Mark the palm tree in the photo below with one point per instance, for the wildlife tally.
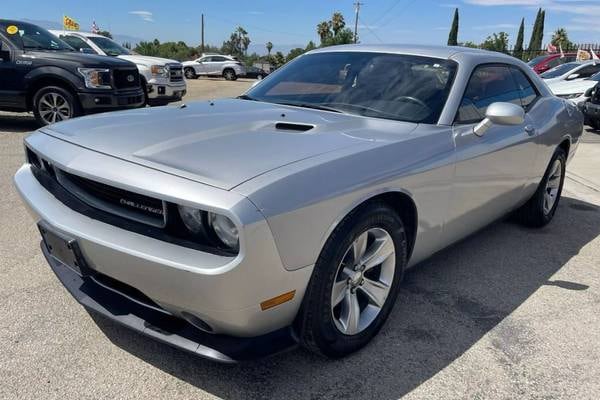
(324, 30)
(337, 22)
(269, 47)
(561, 37)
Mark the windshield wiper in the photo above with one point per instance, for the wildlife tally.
(313, 106)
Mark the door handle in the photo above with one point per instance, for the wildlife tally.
(530, 130)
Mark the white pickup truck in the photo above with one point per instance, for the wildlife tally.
(162, 79)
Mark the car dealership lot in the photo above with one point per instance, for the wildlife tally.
(508, 312)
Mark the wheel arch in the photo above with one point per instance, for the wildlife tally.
(45, 80)
(399, 200)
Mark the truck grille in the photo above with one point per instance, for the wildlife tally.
(117, 201)
(175, 72)
(126, 78)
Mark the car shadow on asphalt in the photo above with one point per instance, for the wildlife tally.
(447, 304)
(17, 123)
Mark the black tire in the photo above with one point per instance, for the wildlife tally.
(145, 90)
(40, 107)
(315, 323)
(190, 73)
(532, 213)
(229, 74)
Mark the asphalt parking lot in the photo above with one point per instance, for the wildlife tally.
(508, 313)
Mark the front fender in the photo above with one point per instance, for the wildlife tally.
(75, 82)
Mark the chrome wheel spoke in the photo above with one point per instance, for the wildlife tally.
(359, 247)
(350, 315)
(339, 291)
(376, 291)
(383, 249)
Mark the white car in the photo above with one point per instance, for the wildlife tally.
(228, 67)
(572, 71)
(575, 91)
(162, 79)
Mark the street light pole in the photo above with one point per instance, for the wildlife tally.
(357, 8)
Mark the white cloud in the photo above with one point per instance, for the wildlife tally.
(145, 15)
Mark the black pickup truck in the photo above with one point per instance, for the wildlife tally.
(41, 73)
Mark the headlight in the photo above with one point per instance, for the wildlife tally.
(211, 226)
(159, 70)
(96, 78)
(225, 229)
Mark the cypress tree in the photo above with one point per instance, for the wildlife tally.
(534, 31)
(540, 35)
(453, 36)
(518, 52)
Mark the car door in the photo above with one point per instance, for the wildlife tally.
(218, 65)
(12, 92)
(491, 171)
(201, 66)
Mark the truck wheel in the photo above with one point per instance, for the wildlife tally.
(229, 75)
(54, 104)
(190, 73)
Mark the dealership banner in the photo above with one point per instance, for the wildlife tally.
(70, 24)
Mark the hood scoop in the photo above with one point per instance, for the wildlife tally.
(290, 126)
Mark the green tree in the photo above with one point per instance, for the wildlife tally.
(535, 32)
(294, 53)
(518, 51)
(278, 59)
(337, 22)
(324, 30)
(238, 43)
(496, 42)
(453, 36)
(269, 47)
(105, 34)
(470, 44)
(561, 38)
(310, 46)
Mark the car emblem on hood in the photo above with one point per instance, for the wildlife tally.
(130, 78)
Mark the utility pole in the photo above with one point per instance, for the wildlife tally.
(357, 8)
(202, 42)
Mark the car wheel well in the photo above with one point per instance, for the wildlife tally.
(405, 207)
(565, 145)
(45, 82)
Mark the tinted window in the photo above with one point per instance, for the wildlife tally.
(559, 71)
(555, 62)
(205, 59)
(219, 59)
(536, 61)
(488, 84)
(31, 37)
(75, 42)
(528, 92)
(390, 86)
(588, 71)
(108, 46)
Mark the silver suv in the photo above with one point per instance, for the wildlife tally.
(214, 65)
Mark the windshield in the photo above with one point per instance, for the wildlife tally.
(559, 71)
(595, 77)
(31, 37)
(390, 86)
(108, 46)
(536, 61)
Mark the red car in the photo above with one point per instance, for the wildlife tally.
(543, 63)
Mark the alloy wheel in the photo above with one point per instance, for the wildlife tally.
(53, 107)
(552, 186)
(363, 281)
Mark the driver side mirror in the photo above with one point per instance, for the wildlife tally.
(572, 76)
(500, 114)
(4, 52)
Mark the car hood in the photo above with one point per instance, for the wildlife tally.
(223, 143)
(87, 60)
(146, 60)
(564, 87)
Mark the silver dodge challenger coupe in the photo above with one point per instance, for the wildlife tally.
(237, 228)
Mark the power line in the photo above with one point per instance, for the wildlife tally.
(366, 25)
(400, 13)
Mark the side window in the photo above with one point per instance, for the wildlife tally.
(488, 84)
(555, 62)
(588, 71)
(4, 51)
(75, 42)
(205, 59)
(219, 59)
(528, 91)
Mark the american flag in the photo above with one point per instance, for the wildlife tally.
(95, 28)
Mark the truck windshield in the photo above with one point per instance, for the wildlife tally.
(31, 37)
(109, 47)
(559, 71)
(388, 86)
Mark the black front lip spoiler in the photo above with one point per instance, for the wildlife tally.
(168, 329)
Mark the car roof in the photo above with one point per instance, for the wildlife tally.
(443, 52)
(86, 34)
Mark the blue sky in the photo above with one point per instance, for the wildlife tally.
(289, 23)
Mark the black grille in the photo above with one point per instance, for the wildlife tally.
(127, 204)
(175, 73)
(126, 78)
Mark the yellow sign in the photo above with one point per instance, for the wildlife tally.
(12, 29)
(70, 24)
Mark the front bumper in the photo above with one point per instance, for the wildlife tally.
(166, 91)
(111, 100)
(223, 291)
(165, 328)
